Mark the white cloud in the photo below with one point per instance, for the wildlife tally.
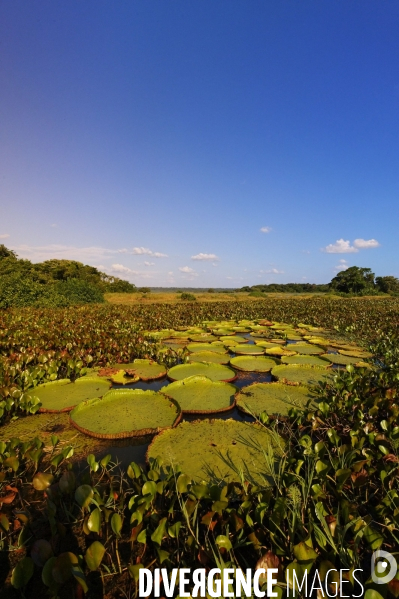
(63, 252)
(140, 251)
(343, 265)
(122, 269)
(149, 263)
(344, 247)
(364, 244)
(340, 247)
(214, 264)
(273, 271)
(4, 236)
(186, 269)
(265, 229)
(202, 256)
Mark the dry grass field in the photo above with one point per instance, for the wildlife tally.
(173, 297)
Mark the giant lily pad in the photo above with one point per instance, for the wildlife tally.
(253, 363)
(200, 395)
(247, 350)
(298, 359)
(63, 395)
(217, 449)
(123, 413)
(205, 338)
(273, 398)
(356, 353)
(279, 351)
(194, 347)
(147, 370)
(209, 356)
(236, 339)
(339, 359)
(215, 372)
(303, 375)
(306, 349)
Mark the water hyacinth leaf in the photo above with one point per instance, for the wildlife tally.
(105, 460)
(253, 363)
(149, 488)
(174, 529)
(134, 571)
(47, 574)
(159, 532)
(63, 395)
(84, 495)
(223, 542)
(41, 552)
(124, 413)
(182, 483)
(373, 537)
(91, 460)
(116, 524)
(94, 520)
(304, 374)
(220, 449)
(215, 372)
(41, 481)
(67, 482)
(22, 573)
(274, 398)
(63, 566)
(198, 394)
(134, 470)
(11, 462)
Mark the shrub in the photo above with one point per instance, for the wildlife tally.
(188, 296)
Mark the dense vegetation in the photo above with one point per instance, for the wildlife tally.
(53, 283)
(331, 498)
(353, 280)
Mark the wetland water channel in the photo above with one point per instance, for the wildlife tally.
(135, 449)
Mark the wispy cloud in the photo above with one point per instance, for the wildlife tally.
(4, 236)
(342, 246)
(140, 251)
(265, 229)
(343, 265)
(123, 269)
(149, 263)
(272, 271)
(67, 252)
(201, 256)
(366, 244)
(186, 269)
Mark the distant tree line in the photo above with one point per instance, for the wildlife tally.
(352, 281)
(53, 282)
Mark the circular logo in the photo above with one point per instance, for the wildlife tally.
(383, 567)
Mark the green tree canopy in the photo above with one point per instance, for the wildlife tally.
(353, 280)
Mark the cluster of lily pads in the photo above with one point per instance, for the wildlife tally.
(214, 355)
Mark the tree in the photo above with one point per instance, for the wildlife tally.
(6, 253)
(387, 284)
(353, 280)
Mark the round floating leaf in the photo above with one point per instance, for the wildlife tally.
(279, 351)
(235, 338)
(124, 413)
(147, 370)
(306, 349)
(94, 555)
(209, 356)
(22, 573)
(217, 449)
(253, 363)
(356, 353)
(319, 341)
(299, 359)
(304, 375)
(339, 359)
(223, 332)
(122, 378)
(215, 372)
(63, 395)
(267, 344)
(41, 481)
(41, 552)
(198, 394)
(273, 398)
(195, 347)
(248, 350)
(202, 338)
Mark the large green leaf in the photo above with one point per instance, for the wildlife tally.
(63, 395)
(94, 555)
(146, 370)
(199, 394)
(125, 413)
(215, 372)
(299, 359)
(304, 375)
(247, 350)
(253, 363)
(22, 573)
(217, 449)
(273, 398)
(209, 356)
(195, 347)
(340, 359)
(306, 349)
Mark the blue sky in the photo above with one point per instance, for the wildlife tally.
(201, 143)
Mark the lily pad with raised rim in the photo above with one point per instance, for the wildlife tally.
(236, 338)
(273, 398)
(247, 350)
(147, 370)
(213, 450)
(306, 349)
(194, 347)
(200, 395)
(209, 356)
(215, 372)
(253, 363)
(63, 395)
(358, 353)
(303, 375)
(300, 359)
(339, 359)
(124, 413)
